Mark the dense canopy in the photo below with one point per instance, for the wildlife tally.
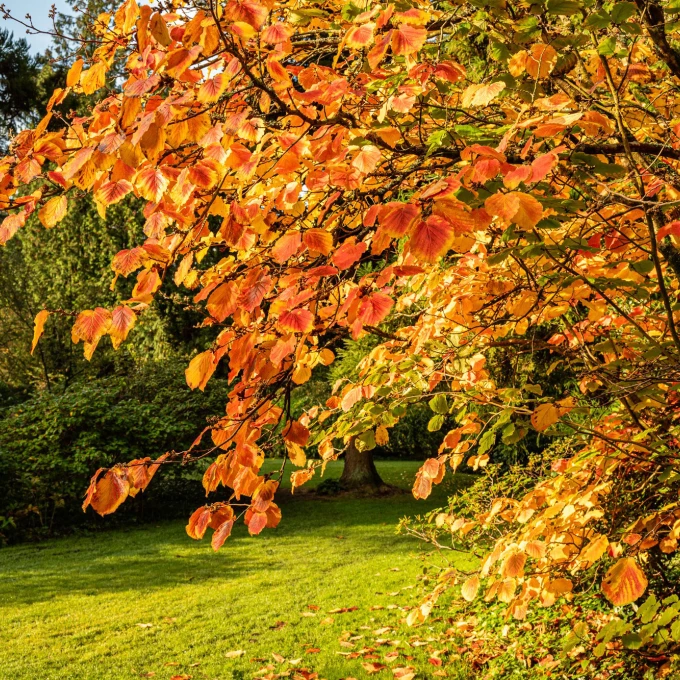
(457, 179)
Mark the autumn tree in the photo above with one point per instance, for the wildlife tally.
(509, 171)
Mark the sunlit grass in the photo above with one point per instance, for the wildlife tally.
(127, 603)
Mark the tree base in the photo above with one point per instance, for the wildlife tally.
(360, 474)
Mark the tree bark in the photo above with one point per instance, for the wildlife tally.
(359, 471)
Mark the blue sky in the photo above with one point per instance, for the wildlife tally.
(39, 10)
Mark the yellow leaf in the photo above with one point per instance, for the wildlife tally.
(200, 368)
(301, 374)
(40, 319)
(382, 437)
(544, 416)
(594, 550)
(470, 588)
(73, 75)
(296, 454)
(53, 211)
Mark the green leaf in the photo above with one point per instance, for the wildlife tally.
(435, 423)
(667, 615)
(565, 8)
(439, 404)
(622, 11)
(607, 47)
(648, 610)
(366, 441)
(486, 442)
(350, 11)
(631, 641)
(675, 630)
(597, 20)
(643, 267)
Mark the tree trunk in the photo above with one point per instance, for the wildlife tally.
(359, 471)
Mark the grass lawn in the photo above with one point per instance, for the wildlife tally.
(151, 602)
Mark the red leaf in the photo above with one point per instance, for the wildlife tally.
(297, 320)
(374, 308)
(348, 253)
(431, 238)
(396, 218)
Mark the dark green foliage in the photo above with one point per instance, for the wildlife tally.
(18, 85)
(51, 444)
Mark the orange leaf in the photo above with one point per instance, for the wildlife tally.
(73, 75)
(127, 261)
(200, 368)
(123, 320)
(396, 218)
(39, 325)
(544, 416)
(318, 241)
(53, 211)
(347, 254)
(286, 246)
(408, 39)
(470, 588)
(296, 432)
(367, 159)
(110, 491)
(360, 36)
(198, 523)
(223, 301)
(624, 583)
(90, 325)
(374, 308)
(221, 534)
(540, 60)
(297, 320)
(151, 183)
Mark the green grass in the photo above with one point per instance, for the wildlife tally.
(71, 608)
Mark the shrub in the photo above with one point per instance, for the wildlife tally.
(51, 444)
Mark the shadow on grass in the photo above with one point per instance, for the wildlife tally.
(138, 561)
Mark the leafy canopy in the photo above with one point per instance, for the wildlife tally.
(509, 172)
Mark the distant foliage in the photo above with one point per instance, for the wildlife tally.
(50, 443)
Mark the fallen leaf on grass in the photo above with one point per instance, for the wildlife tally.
(144, 625)
(278, 658)
(312, 650)
(150, 674)
(404, 673)
(371, 668)
(327, 621)
(181, 677)
(343, 610)
(171, 663)
(315, 607)
(278, 625)
(308, 614)
(235, 654)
